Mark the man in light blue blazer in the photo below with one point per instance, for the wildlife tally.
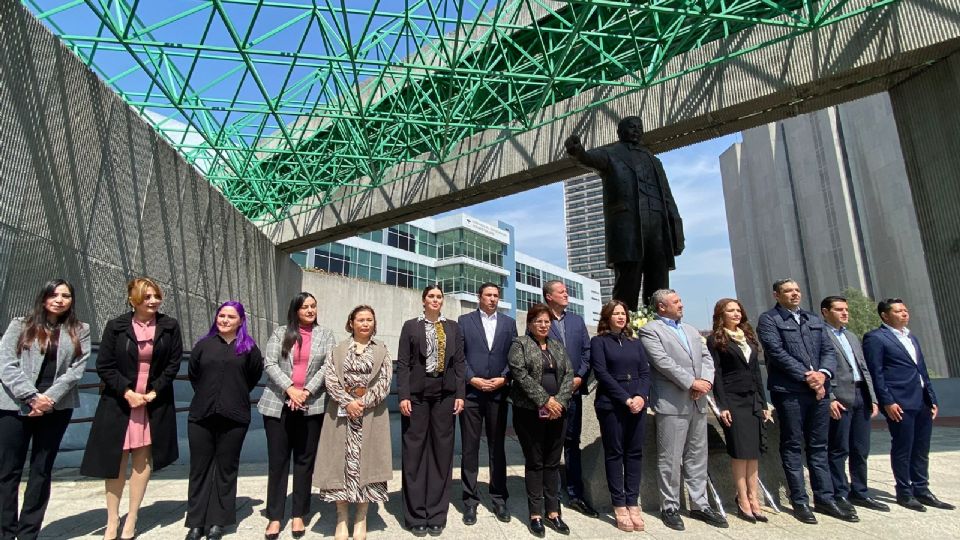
(569, 328)
(487, 335)
(909, 403)
(682, 375)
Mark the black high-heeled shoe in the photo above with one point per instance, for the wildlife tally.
(746, 516)
(760, 517)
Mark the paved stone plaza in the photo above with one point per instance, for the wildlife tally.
(76, 507)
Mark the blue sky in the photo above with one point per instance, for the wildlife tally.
(704, 272)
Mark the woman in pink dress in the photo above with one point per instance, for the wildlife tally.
(135, 422)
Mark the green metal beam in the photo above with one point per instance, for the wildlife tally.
(281, 104)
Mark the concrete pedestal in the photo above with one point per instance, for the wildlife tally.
(595, 478)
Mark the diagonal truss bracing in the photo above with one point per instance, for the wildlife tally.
(282, 101)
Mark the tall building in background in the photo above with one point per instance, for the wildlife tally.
(583, 215)
(459, 252)
(823, 198)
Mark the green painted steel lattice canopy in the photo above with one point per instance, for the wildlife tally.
(282, 103)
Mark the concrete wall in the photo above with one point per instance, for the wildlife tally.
(90, 193)
(824, 198)
(927, 119)
(337, 295)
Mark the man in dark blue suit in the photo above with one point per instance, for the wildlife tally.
(487, 336)
(903, 388)
(570, 329)
(800, 363)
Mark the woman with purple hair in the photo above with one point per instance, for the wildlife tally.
(225, 365)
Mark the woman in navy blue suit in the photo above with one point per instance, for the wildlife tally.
(623, 373)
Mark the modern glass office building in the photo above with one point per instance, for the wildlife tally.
(459, 252)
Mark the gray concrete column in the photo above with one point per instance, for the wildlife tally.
(927, 112)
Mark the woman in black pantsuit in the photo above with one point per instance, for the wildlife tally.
(542, 383)
(623, 374)
(225, 365)
(430, 386)
(738, 387)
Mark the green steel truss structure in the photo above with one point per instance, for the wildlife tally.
(282, 103)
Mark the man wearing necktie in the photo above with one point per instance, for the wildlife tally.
(852, 404)
(642, 225)
(904, 391)
(801, 361)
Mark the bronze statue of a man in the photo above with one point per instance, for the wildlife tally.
(643, 228)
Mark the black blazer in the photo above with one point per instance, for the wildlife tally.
(733, 373)
(622, 371)
(117, 365)
(412, 359)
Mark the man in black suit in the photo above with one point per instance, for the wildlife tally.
(571, 330)
(852, 404)
(909, 403)
(800, 363)
(487, 336)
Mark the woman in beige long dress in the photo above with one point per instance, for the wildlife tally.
(355, 441)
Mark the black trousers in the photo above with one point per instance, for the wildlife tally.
(16, 434)
(542, 443)
(622, 436)
(427, 456)
(296, 434)
(652, 272)
(850, 438)
(573, 469)
(215, 444)
(477, 414)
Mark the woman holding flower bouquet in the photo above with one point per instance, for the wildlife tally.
(623, 375)
(292, 410)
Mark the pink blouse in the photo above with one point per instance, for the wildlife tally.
(301, 357)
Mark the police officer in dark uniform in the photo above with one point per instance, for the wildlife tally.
(643, 228)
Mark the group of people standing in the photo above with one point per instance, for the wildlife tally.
(327, 398)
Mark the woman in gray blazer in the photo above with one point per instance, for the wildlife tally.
(542, 384)
(42, 357)
(292, 410)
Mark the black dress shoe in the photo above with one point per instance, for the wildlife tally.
(195, 533)
(536, 527)
(419, 530)
(435, 530)
(671, 518)
(869, 503)
(843, 504)
(831, 509)
(470, 515)
(271, 536)
(930, 499)
(710, 516)
(297, 535)
(746, 516)
(215, 533)
(500, 510)
(760, 517)
(557, 524)
(581, 506)
(911, 504)
(803, 514)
